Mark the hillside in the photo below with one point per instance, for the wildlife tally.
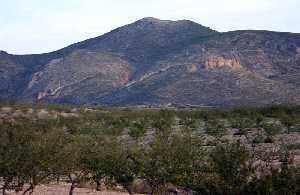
(158, 62)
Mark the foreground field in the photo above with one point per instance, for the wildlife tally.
(63, 190)
(245, 151)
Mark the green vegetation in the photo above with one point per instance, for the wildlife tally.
(160, 147)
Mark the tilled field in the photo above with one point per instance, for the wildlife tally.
(64, 190)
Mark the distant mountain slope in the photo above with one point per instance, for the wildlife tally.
(152, 61)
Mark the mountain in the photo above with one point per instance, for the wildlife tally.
(154, 62)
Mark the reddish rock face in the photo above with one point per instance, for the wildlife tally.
(298, 50)
(219, 62)
(124, 78)
(192, 68)
(41, 95)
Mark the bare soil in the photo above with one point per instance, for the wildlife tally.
(64, 190)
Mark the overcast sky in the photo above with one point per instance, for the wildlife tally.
(36, 26)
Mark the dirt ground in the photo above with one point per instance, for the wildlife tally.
(64, 190)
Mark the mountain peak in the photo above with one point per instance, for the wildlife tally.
(168, 24)
(3, 52)
(157, 20)
(149, 19)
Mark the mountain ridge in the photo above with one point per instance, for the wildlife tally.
(154, 62)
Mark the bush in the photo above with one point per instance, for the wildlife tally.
(215, 128)
(272, 128)
(137, 129)
(231, 165)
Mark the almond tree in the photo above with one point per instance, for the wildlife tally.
(44, 154)
(68, 161)
(15, 151)
(127, 165)
(97, 160)
(168, 159)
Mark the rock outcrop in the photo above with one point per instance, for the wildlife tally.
(220, 62)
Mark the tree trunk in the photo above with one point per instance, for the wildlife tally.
(73, 185)
(30, 189)
(128, 189)
(4, 190)
(5, 186)
(57, 179)
(152, 186)
(98, 185)
(72, 188)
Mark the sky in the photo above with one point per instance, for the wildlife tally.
(39, 26)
